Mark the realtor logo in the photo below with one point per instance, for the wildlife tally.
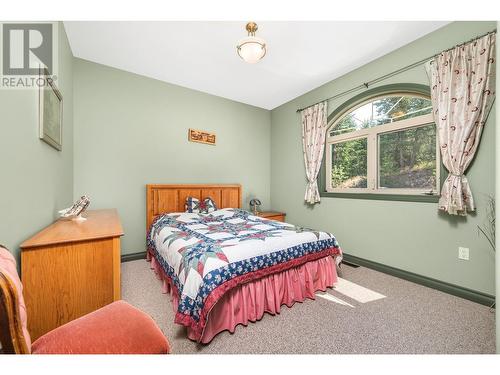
(26, 46)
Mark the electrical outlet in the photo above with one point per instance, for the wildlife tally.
(463, 253)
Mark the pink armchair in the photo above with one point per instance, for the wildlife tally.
(117, 328)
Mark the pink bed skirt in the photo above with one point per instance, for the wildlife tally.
(248, 302)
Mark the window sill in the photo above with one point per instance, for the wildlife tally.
(383, 197)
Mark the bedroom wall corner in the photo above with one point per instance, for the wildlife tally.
(36, 179)
(131, 130)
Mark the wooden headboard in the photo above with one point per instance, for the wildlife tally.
(163, 199)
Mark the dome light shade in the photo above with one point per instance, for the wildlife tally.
(251, 49)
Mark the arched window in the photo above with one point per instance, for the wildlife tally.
(384, 143)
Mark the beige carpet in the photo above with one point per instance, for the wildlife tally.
(375, 313)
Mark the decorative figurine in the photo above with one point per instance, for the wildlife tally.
(76, 210)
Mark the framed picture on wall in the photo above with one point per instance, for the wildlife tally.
(201, 136)
(50, 111)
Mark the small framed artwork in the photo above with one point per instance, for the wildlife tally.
(201, 137)
(50, 111)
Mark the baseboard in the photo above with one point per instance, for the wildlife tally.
(134, 256)
(472, 295)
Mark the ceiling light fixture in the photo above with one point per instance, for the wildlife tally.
(251, 49)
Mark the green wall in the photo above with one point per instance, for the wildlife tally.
(131, 130)
(36, 180)
(405, 235)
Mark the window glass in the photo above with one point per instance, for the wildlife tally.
(349, 164)
(382, 111)
(407, 158)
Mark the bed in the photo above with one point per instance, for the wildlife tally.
(229, 267)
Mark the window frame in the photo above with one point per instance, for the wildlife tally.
(373, 191)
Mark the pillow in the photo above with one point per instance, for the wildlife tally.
(210, 205)
(192, 204)
(204, 207)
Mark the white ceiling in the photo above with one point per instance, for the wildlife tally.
(202, 55)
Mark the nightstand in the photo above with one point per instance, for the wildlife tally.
(272, 215)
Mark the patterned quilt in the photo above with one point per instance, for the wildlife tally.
(204, 255)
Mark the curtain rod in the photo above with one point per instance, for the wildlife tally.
(365, 85)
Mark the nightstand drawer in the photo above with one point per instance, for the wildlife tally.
(273, 215)
(277, 217)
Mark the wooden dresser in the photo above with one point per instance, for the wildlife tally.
(273, 215)
(71, 268)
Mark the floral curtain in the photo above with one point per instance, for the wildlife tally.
(314, 121)
(462, 92)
